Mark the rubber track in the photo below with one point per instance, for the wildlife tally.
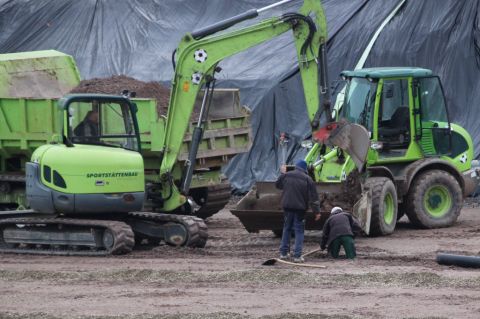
(196, 228)
(217, 197)
(123, 237)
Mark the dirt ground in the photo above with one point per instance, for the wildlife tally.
(393, 277)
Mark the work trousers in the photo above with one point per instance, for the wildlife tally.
(293, 221)
(347, 243)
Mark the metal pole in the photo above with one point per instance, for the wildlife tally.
(273, 5)
(204, 102)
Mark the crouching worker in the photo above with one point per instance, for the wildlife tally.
(339, 231)
(299, 192)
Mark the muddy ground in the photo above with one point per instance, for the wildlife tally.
(393, 277)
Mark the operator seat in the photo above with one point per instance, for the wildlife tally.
(398, 127)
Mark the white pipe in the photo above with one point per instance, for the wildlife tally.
(273, 5)
(369, 47)
(361, 62)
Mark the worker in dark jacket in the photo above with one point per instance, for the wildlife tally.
(339, 230)
(298, 193)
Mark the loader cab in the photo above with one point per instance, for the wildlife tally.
(100, 120)
(403, 109)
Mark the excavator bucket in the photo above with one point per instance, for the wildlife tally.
(261, 208)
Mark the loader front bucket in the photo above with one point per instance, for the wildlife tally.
(261, 208)
(354, 139)
(350, 137)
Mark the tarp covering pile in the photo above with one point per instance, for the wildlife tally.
(136, 38)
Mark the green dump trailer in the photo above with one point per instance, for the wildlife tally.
(29, 119)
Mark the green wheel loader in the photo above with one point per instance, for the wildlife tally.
(393, 151)
(87, 187)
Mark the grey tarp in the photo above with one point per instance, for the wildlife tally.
(136, 38)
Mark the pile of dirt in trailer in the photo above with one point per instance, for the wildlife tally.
(117, 83)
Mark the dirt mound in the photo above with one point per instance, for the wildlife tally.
(117, 83)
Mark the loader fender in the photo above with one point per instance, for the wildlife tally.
(409, 173)
(380, 171)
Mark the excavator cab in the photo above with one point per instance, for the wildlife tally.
(98, 168)
(103, 121)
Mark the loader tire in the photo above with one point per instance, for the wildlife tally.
(384, 206)
(434, 200)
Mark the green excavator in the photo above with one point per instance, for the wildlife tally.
(87, 187)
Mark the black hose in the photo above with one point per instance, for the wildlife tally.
(458, 260)
(287, 17)
(173, 59)
(170, 183)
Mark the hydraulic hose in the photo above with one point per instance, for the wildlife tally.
(288, 17)
(173, 59)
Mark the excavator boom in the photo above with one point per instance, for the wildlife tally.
(197, 59)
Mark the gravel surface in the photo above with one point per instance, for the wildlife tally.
(393, 277)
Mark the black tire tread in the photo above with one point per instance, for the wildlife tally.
(415, 203)
(377, 184)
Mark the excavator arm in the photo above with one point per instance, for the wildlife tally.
(197, 59)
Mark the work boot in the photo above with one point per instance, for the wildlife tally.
(298, 260)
